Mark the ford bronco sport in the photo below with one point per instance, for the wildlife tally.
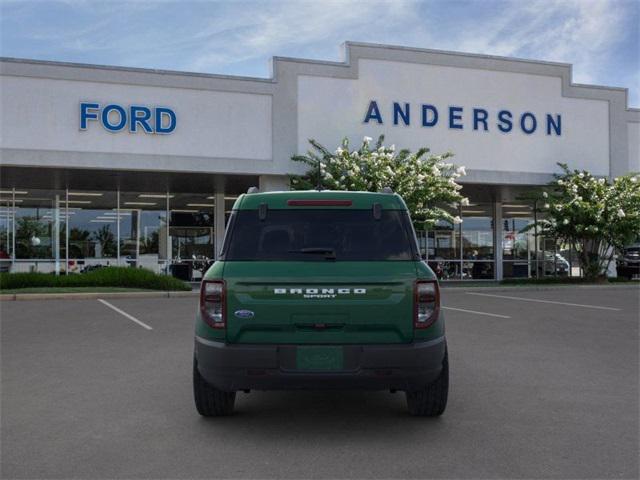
(320, 289)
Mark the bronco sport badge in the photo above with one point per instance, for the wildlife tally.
(320, 292)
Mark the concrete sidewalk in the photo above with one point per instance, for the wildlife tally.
(94, 295)
(196, 291)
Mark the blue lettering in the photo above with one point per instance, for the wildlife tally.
(139, 115)
(373, 112)
(86, 114)
(480, 116)
(105, 118)
(556, 125)
(455, 113)
(523, 123)
(505, 124)
(425, 115)
(399, 112)
(162, 112)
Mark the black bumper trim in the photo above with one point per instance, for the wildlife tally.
(232, 367)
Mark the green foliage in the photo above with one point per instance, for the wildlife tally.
(26, 229)
(595, 216)
(102, 277)
(425, 182)
(107, 240)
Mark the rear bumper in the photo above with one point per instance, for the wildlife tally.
(273, 367)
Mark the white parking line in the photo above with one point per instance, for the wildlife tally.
(523, 299)
(477, 313)
(125, 314)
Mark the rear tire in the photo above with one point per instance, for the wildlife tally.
(431, 401)
(211, 402)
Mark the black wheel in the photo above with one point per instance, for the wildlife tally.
(431, 401)
(211, 402)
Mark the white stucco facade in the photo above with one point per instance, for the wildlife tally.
(253, 126)
(328, 107)
(109, 165)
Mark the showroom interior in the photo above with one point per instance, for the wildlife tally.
(70, 221)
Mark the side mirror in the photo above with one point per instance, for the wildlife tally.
(423, 256)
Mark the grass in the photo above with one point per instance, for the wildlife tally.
(125, 278)
(72, 290)
(562, 281)
(523, 282)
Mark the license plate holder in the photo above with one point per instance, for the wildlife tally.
(320, 358)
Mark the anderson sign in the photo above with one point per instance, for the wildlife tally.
(460, 118)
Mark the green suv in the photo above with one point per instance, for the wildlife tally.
(315, 290)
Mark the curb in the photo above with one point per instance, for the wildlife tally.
(93, 295)
(194, 294)
(511, 288)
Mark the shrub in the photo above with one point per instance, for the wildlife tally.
(563, 281)
(593, 215)
(426, 182)
(126, 277)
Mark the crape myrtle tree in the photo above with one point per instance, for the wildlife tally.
(595, 216)
(426, 182)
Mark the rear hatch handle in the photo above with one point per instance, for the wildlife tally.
(319, 326)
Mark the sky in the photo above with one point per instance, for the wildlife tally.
(601, 38)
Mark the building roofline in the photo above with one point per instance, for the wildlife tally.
(55, 63)
(346, 62)
(454, 52)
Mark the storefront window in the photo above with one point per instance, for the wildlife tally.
(229, 201)
(6, 229)
(443, 244)
(72, 231)
(477, 242)
(518, 240)
(192, 234)
(144, 229)
(92, 230)
(39, 222)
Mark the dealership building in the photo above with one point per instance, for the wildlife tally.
(105, 165)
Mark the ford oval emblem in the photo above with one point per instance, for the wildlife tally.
(243, 313)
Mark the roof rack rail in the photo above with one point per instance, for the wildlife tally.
(387, 190)
(253, 190)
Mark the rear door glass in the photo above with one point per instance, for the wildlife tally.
(314, 235)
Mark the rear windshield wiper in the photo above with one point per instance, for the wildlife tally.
(329, 253)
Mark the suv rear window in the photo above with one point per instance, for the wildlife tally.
(312, 235)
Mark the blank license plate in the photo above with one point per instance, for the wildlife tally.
(319, 358)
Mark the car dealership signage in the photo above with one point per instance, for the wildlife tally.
(133, 118)
(463, 118)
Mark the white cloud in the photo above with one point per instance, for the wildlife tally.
(277, 26)
(581, 32)
(217, 37)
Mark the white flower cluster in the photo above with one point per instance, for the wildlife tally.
(592, 213)
(424, 181)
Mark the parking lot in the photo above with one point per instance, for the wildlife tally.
(544, 384)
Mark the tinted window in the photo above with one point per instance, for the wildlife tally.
(315, 235)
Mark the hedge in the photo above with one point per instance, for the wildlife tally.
(126, 277)
(563, 281)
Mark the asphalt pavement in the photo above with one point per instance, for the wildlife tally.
(544, 384)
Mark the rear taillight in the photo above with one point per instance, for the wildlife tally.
(212, 303)
(426, 303)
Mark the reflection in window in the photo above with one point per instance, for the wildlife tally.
(92, 229)
(143, 229)
(477, 232)
(518, 240)
(36, 214)
(6, 230)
